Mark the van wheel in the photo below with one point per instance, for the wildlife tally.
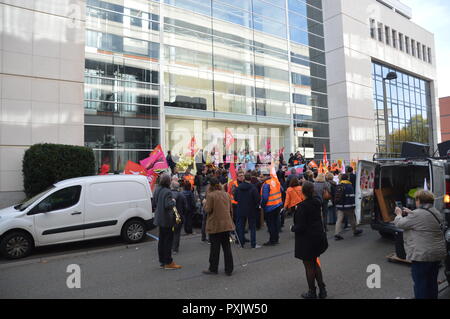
(133, 231)
(16, 245)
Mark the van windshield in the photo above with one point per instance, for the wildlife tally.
(33, 199)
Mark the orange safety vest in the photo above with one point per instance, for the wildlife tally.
(230, 191)
(190, 179)
(275, 192)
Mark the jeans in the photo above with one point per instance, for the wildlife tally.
(217, 240)
(332, 215)
(165, 245)
(273, 224)
(424, 275)
(240, 228)
(188, 222)
(204, 225)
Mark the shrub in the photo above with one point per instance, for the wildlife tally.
(46, 164)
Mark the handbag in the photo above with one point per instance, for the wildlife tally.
(326, 194)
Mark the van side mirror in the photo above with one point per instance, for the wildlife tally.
(42, 207)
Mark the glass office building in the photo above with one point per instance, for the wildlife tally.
(162, 72)
(408, 109)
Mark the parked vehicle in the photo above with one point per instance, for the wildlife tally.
(78, 209)
(383, 184)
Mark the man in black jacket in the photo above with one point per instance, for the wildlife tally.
(247, 209)
(181, 205)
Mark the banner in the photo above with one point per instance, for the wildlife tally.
(156, 160)
(134, 169)
(152, 176)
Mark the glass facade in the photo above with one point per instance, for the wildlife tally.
(262, 61)
(408, 108)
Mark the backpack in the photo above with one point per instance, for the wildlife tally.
(339, 195)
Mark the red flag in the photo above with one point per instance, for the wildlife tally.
(313, 164)
(233, 174)
(321, 168)
(104, 169)
(229, 139)
(325, 159)
(152, 176)
(134, 169)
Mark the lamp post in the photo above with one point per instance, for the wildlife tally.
(389, 77)
(304, 147)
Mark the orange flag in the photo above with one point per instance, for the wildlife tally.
(313, 164)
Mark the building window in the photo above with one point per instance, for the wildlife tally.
(419, 50)
(400, 41)
(424, 53)
(413, 47)
(429, 56)
(394, 39)
(372, 28)
(380, 32)
(387, 32)
(407, 45)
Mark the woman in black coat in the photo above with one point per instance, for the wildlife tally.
(310, 239)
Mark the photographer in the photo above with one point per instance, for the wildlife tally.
(424, 243)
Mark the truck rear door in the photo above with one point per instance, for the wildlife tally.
(364, 190)
(437, 173)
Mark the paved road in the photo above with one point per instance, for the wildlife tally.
(121, 271)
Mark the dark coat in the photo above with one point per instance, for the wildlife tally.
(164, 216)
(181, 203)
(310, 238)
(190, 201)
(248, 200)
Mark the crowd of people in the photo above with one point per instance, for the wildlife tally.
(232, 208)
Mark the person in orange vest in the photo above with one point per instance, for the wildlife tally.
(189, 177)
(231, 188)
(294, 196)
(271, 203)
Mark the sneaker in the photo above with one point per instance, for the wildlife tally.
(311, 294)
(172, 266)
(257, 246)
(209, 272)
(357, 232)
(338, 237)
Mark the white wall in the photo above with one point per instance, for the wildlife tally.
(349, 54)
(41, 81)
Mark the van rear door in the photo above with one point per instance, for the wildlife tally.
(437, 173)
(364, 190)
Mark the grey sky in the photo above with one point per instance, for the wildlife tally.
(434, 15)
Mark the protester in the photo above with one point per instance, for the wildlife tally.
(331, 206)
(271, 204)
(181, 206)
(189, 177)
(294, 196)
(164, 219)
(170, 162)
(424, 243)
(219, 224)
(345, 206)
(321, 187)
(310, 240)
(191, 207)
(247, 210)
(231, 187)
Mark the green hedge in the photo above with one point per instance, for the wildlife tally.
(46, 164)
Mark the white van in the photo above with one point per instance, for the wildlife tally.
(78, 209)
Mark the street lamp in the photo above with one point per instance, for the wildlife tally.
(304, 147)
(389, 77)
